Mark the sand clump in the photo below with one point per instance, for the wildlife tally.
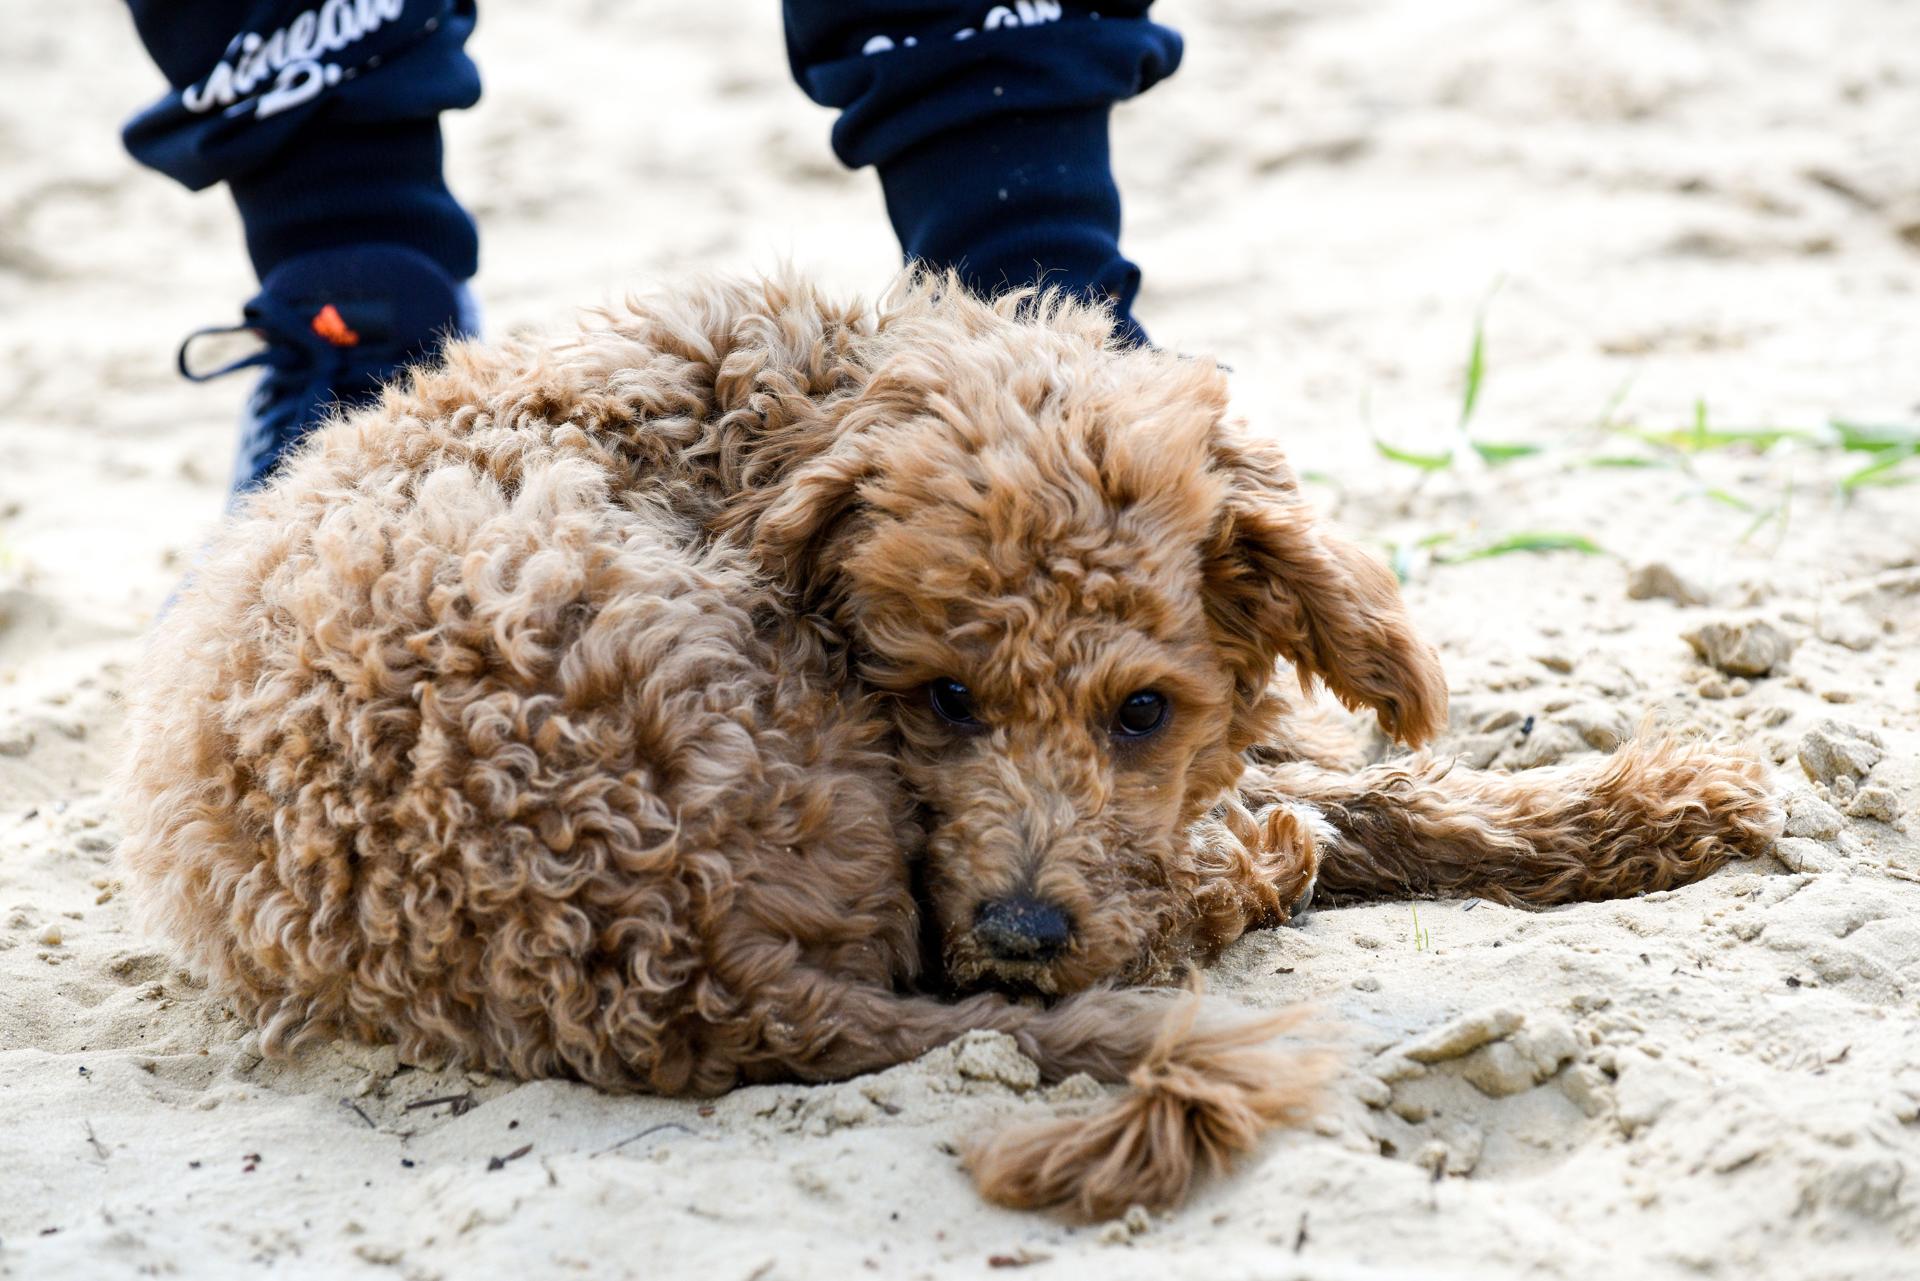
(1831, 751)
(1657, 580)
(1744, 647)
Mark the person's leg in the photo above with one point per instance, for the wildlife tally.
(322, 119)
(988, 125)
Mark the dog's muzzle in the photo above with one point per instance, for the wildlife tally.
(1022, 929)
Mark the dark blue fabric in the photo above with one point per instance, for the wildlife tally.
(336, 326)
(987, 122)
(988, 125)
(1020, 59)
(1019, 200)
(320, 115)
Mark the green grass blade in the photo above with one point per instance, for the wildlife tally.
(1699, 438)
(1626, 461)
(1477, 355)
(1757, 524)
(1726, 498)
(1476, 368)
(1870, 438)
(1537, 541)
(1425, 462)
(1619, 397)
(1883, 471)
(1496, 452)
(1780, 511)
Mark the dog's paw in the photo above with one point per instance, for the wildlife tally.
(1257, 868)
(1293, 835)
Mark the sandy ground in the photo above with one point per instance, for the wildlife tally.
(1655, 204)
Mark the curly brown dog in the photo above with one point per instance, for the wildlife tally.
(723, 692)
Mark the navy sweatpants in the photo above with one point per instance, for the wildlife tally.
(987, 122)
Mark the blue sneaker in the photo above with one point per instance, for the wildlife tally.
(338, 325)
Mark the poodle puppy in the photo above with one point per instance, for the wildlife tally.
(750, 687)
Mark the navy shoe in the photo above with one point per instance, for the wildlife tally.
(338, 325)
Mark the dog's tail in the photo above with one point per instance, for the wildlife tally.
(1659, 812)
(1203, 1089)
(1204, 1084)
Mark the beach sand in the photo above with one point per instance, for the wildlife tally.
(1659, 213)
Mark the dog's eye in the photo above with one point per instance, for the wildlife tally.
(1141, 713)
(953, 701)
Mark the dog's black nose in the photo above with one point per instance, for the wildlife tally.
(1022, 929)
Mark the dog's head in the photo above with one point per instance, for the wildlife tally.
(1072, 579)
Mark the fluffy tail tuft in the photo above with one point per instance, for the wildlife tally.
(1198, 1098)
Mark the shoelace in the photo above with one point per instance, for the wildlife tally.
(321, 347)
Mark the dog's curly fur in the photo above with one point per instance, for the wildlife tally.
(566, 712)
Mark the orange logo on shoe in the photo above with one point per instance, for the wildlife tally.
(331, 326)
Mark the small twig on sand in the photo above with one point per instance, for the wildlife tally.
(500, 1162)
(98, 1146)
(460, 1104)
(635, 1138)
(354, 1108)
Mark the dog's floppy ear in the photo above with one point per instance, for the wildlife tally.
(1278, 586)
(792, 533)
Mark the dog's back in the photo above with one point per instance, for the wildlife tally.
(466, 734)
